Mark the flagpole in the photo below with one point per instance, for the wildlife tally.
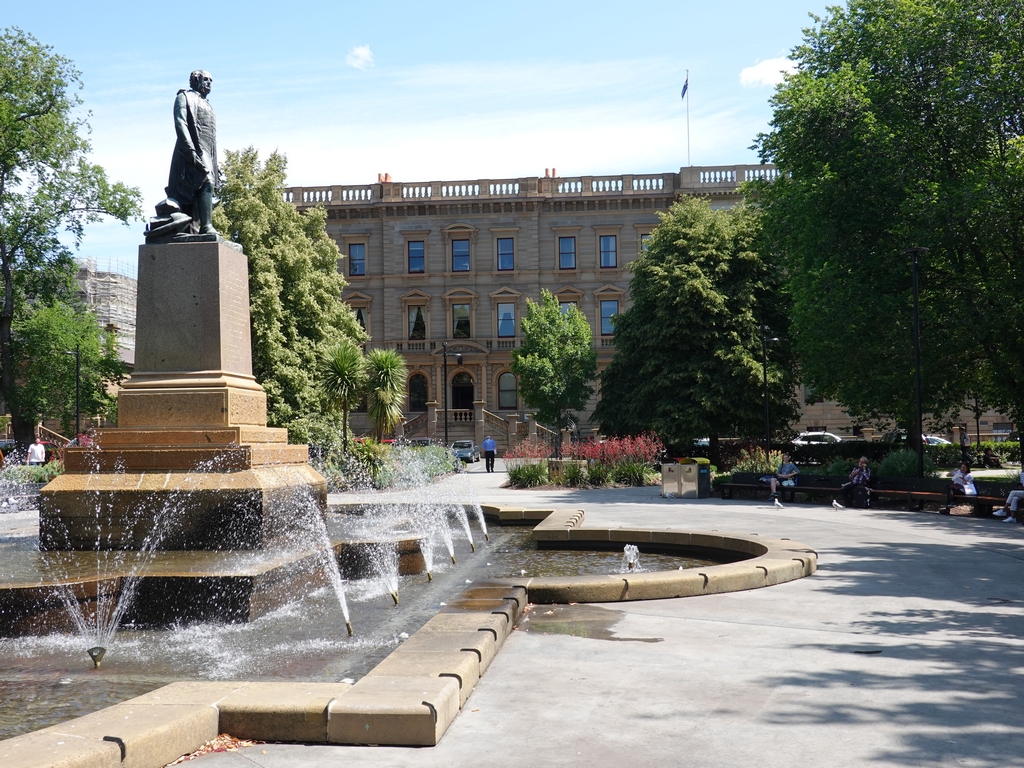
(688, 119)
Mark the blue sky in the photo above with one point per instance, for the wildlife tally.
(423, 91)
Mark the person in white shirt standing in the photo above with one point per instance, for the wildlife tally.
(37, 453)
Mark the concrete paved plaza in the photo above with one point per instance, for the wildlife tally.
(904, 649)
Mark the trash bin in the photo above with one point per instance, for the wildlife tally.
(694, 478)
(670, 474)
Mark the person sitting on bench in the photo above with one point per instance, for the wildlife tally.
(962, 484)
(1013, 499)
(861, 475)
(786, 475)
(990, 460)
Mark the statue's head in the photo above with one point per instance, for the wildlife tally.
(200, 81)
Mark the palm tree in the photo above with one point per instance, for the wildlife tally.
(344, 375)
(385, 390)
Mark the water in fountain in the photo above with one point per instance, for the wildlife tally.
(463, 518)
(427, 550)
(630, 559)
(299, 640)
(478, 511)
(384, 557)
(317, 528)
(117, 573)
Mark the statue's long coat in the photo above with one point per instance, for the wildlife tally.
(196, 127)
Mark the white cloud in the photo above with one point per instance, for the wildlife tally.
(360, 57)
(767, 72)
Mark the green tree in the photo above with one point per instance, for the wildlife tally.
(385, 390)
(902, 127)
(344, 375)
(294, 289)
(556, 362)
(43, 335)
(47, 185)
(688, 353)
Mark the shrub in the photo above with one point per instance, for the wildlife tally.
(903, 463)
(630, 473)
(597, 474)
(755, 460)
(944, 455)
(574, 475)
(527, 474)
(840, 467)
(23, 473)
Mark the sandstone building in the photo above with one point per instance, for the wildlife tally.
(453, 262)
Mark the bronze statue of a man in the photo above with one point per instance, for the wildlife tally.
(188, 209)
(194, 171)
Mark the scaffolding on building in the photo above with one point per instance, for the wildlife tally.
(111, 293)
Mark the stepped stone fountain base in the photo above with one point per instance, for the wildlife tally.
(192, 455)
(176, 588)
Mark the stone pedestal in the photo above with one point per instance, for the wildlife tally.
(192, 464)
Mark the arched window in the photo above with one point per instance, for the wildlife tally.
(507, 392)
(418, 393)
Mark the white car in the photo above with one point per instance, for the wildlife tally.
(817, 438)
(936, 440)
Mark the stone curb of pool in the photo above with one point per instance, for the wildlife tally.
(414, 694)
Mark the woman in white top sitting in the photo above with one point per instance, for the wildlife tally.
(1009, 510)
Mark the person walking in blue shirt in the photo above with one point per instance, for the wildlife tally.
(488, 445)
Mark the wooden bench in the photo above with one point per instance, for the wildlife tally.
(811, 485)
(913, 491)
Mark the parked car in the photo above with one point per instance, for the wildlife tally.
(466, 450)
(900, 438)
(816, 438)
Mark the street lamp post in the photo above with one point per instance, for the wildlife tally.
(444, 389)
(764, 367)
(915, 253)
(78, 389)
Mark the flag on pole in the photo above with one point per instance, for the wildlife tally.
(686, 87)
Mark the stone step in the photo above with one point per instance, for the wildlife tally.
(132, 437)
(150, 458)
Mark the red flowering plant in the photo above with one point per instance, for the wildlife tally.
(529, 449)
(613, 451)
(624, 460)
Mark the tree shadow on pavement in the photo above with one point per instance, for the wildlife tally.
(947, 670)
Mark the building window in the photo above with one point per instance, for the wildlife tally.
(644, 240)
(361, 317)
(417, 324)
(609, 308)
(357, 258)
(460, 321)
(567, 253)
(507, 392)
(460, 255)
(415, 256)
(565, 306)
(609, 255)
(506, 253)
(418, 393)
(507, 319)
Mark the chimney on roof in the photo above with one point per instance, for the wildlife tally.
(554, 173)
(380, 178)
(387, 178)
(547, 173)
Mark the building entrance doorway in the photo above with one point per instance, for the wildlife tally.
(462, 391)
